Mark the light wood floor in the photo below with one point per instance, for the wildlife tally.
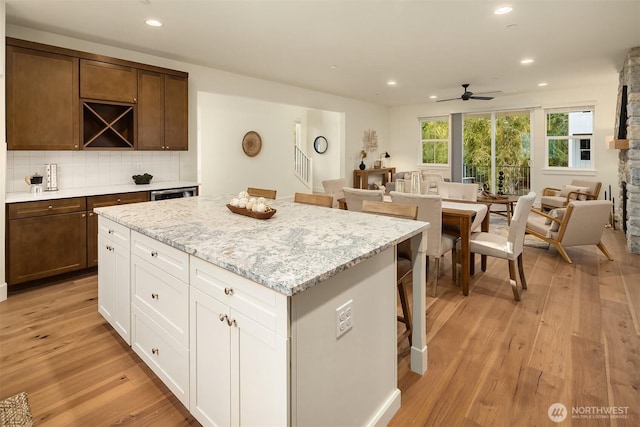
(573, 339)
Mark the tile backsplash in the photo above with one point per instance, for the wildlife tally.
(77, 169)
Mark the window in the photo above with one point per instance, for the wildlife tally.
(435, 140)
(496, 150)
(568, 135)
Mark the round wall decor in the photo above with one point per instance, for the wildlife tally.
(251, 143)
(320, 144)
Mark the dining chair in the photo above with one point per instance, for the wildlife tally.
(438, 243)
(313, 199)
(354, 197)
(458, 191)
(404, 265)
(261, 192)
(507, 247)
(333, 188)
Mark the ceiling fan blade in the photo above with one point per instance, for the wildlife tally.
(449, 99)
(482, 98)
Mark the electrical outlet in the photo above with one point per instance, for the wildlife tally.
(344, 318)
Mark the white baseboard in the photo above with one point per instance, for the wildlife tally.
(3, 291)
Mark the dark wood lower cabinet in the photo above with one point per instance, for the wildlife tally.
(51, 237)
(46, 246)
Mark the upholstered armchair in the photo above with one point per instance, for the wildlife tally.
(578, 190)
(580, 223)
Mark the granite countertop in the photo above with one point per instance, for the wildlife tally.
(26, 196)
(297, 248)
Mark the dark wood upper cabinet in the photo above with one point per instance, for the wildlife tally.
(151, 111)
(176, 117)
(41, 100)
(108, 82)
(62, 99)
(162, 111)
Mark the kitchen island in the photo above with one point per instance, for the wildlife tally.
(285, 321)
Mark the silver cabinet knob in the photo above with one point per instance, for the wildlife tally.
(154, 296)
(154, 254)
(228, 291)
(155, 351)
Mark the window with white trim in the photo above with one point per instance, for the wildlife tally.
(569, 137)
(434, 140)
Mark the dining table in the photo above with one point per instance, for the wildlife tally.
(461, 218)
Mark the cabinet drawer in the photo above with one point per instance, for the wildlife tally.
(116, 199)
(117, 233)
(263, 305)
(164, 355)
(162, 297)
(162, 256)
(46, 207)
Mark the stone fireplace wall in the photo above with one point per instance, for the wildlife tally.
(629, 166)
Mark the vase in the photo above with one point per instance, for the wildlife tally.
(362, 165)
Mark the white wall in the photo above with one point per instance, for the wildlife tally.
(405, 131)
(224, 120)
(327, 165)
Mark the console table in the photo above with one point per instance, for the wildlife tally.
(361, 177)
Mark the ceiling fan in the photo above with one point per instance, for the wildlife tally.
(467, 95)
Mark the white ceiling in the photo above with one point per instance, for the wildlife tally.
(428, 47)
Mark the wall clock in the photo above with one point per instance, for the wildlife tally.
(320, 144)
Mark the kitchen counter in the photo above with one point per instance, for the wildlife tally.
(26, 196)
(299, 247)
(263, 322)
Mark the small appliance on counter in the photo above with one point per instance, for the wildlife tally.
(35, 183)
(51, 173)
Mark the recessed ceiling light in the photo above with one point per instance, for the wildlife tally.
(392, 83)
(433, 97)
(333, 67)
(153, 23)
(526, 61)
(542, 84)
(503, 10)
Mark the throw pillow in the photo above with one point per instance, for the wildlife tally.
(559, 214)
(566, 189)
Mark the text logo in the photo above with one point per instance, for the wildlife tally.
(557, 412)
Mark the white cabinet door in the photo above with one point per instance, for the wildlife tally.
(106, 279)
(210, 377)
(239, 368)
(259, 382)
(114, 268)
(122, 276)
(114, 300)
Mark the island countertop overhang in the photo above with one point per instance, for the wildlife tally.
(299, 247)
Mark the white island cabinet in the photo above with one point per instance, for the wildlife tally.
(288, 321)
(114, 276)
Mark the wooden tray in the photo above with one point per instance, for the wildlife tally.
(252, 214)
